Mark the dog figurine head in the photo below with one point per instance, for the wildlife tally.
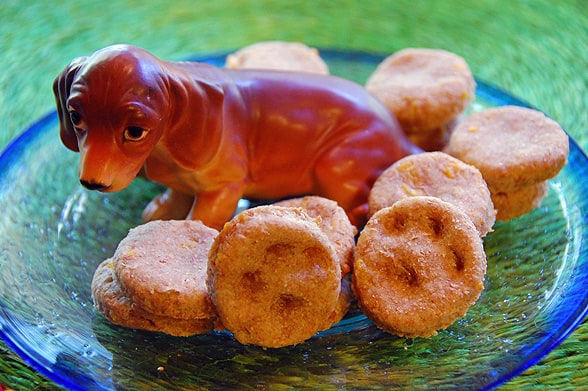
(112, 108)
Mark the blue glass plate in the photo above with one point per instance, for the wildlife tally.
(53, 234)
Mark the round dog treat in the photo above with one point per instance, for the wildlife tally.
(110, 301)
(419, 265)
(343, 305)
(519, 202)
(512, 146)
(432, 140)
(273, 276)
(334, 222)
(278, 55)
(424, 88)
(161, 266)
(439, 175)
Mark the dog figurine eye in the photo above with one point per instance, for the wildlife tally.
(134, 133)
(75, 117)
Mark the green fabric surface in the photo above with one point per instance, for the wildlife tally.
(536, 50)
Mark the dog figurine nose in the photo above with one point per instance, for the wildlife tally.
(92, 185)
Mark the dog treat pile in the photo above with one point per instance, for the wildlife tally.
(275, 275)
(156, 279)
(427, 90)
(517, 150)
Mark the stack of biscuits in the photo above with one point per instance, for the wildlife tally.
(419, 262)
(517, 150)
(427, 90)
(273, 276)
(156, 279)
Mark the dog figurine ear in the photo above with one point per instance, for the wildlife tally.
(61, 89)
(197, 102)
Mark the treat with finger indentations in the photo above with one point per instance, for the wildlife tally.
(273, 276)
(419, 266)
(162, 265)
(334, 222)
(436, 174)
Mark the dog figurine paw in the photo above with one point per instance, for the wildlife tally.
(215, 135)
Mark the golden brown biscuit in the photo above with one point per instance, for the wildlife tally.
(419, 265)
(519, 202)
(512, 146)
(334, 222)
(273, 276)
(292, 56)
(161, 266)
(342, 307)
(439, 175)
(424, 88)
(432, 140)
(110, 301)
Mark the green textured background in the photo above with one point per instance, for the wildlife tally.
(537, 50)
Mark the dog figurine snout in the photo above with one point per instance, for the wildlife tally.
(92, 185)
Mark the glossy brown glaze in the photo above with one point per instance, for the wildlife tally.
(214, 135)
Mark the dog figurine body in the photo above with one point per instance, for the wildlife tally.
(214, 135)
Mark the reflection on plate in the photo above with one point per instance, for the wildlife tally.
(53, 234)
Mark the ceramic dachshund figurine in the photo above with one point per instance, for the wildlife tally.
(214, 135)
